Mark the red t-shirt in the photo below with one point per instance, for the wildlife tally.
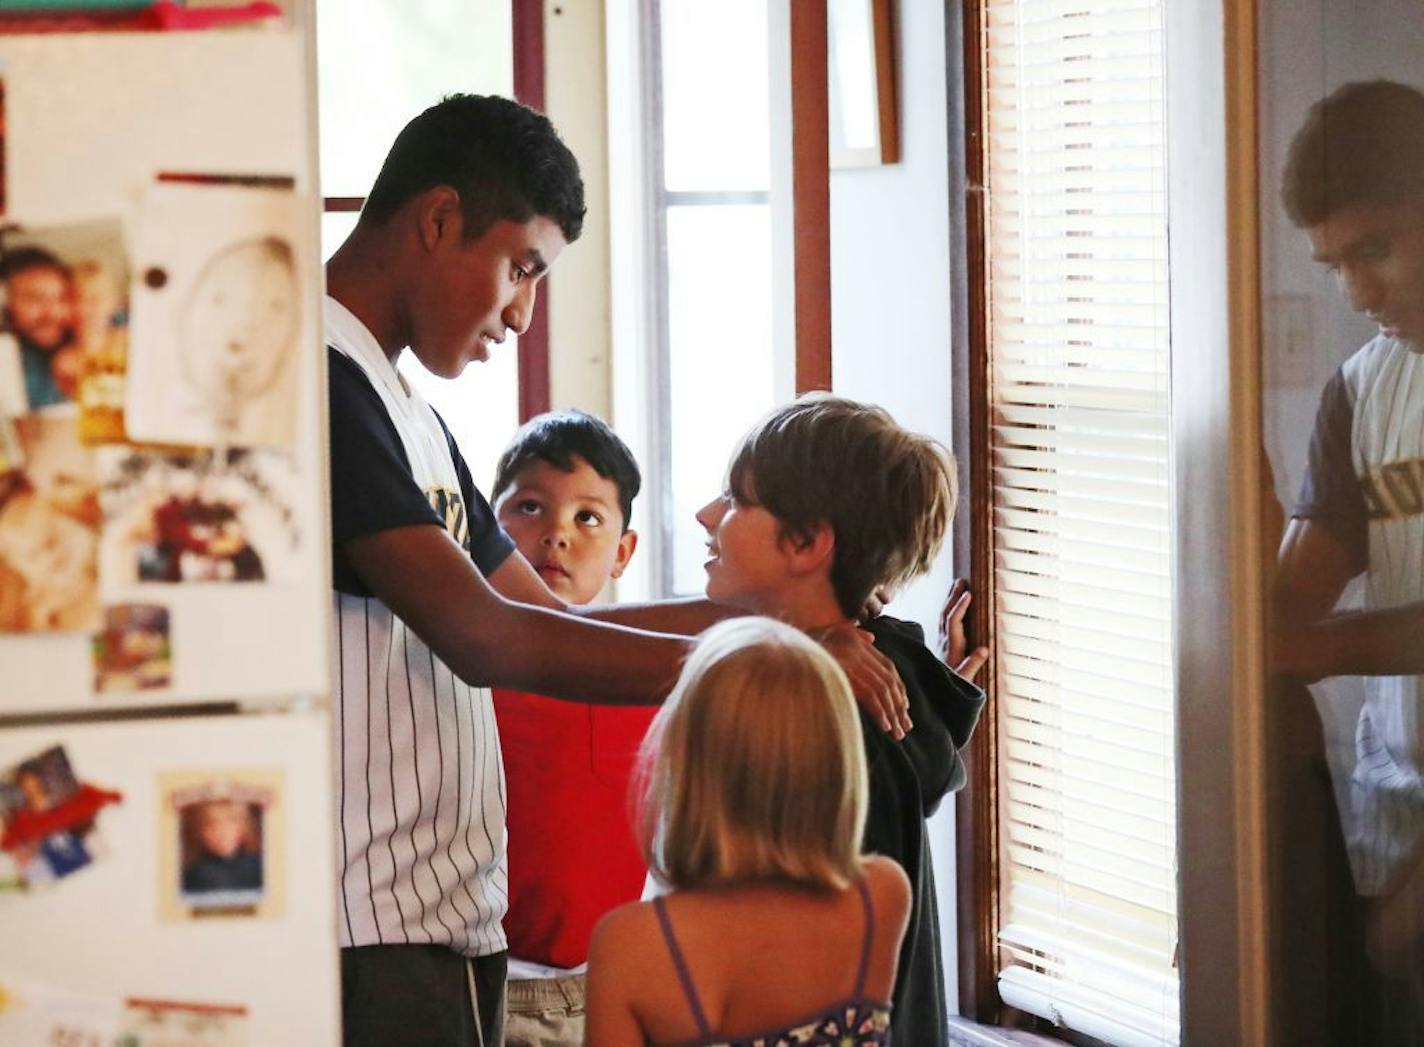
(572, 853)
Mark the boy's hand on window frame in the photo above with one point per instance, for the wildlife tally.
(873, 677)
(953, 646)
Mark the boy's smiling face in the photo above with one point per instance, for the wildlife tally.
(746, 563)
(568, 525)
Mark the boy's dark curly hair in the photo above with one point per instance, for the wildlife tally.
(1363, 144)
(504, 159)
(559, 437)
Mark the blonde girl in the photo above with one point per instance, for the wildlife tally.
(751, 804)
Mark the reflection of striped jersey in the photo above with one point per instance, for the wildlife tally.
(420, 780)
(1366, 484)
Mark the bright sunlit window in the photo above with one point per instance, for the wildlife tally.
(379, 64)
(1078, 350)
(712, 221)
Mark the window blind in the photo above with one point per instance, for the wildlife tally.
(1078, 362)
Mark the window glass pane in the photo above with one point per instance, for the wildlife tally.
(852, 75)
(1082, 517)
(335, 227)
(720, 363)
(1342, 314)
(481, 407)
(715, 101)
(380, 63)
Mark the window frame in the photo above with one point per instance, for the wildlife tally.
(532, 372)
(1225, 748)
(978, 869)
(658, 200)
(805, 35)
(976, 805)
(1223, 744)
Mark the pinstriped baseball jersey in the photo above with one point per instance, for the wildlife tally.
(419, 774)
(1366, 485)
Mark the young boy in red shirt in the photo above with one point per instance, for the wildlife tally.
(564, 492)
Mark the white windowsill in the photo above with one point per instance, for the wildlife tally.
(966, 1033)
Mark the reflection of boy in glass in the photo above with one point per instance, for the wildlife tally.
(39, 312)
(225, 848)
(1354, 181)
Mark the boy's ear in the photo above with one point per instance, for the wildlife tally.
(438, 215)
(811, 552)
(626, 544)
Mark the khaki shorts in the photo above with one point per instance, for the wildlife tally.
(545, 1012)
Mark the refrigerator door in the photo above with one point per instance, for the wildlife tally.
(197, 569)
(170, 881)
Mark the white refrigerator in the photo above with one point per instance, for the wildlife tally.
(167, 858)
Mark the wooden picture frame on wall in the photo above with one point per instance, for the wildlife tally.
(861, 70)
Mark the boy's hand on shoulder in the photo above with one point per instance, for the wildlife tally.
(953, 646)
(873, 677)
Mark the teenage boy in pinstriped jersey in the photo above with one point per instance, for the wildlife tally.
(475, 201)
(1354, 181)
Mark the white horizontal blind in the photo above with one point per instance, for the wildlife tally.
(1078, 334)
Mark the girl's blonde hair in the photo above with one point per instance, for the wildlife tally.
(754, 768)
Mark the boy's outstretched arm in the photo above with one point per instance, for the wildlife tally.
(1355, 643)
(516, 580)
(873, 679)
(683, 616)
(1312, 569)
(1310, 642)
(431, 584)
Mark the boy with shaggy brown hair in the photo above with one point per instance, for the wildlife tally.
(827, 502)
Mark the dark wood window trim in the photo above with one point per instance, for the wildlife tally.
(976, 806)
(811, 195)
(529, 89)
(534, 396)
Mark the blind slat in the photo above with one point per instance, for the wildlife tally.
(1081, 512)
(1066, 419)
(1051, 547)
(1109, 694)
(1130, 538)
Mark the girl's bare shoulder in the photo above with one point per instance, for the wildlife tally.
(624, 935)
(889, 888)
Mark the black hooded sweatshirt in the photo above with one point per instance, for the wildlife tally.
(908, 779)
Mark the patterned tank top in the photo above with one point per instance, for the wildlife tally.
(856, 1021)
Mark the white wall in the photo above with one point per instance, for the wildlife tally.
(579, 315)
(890, 280)
(890, 314)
